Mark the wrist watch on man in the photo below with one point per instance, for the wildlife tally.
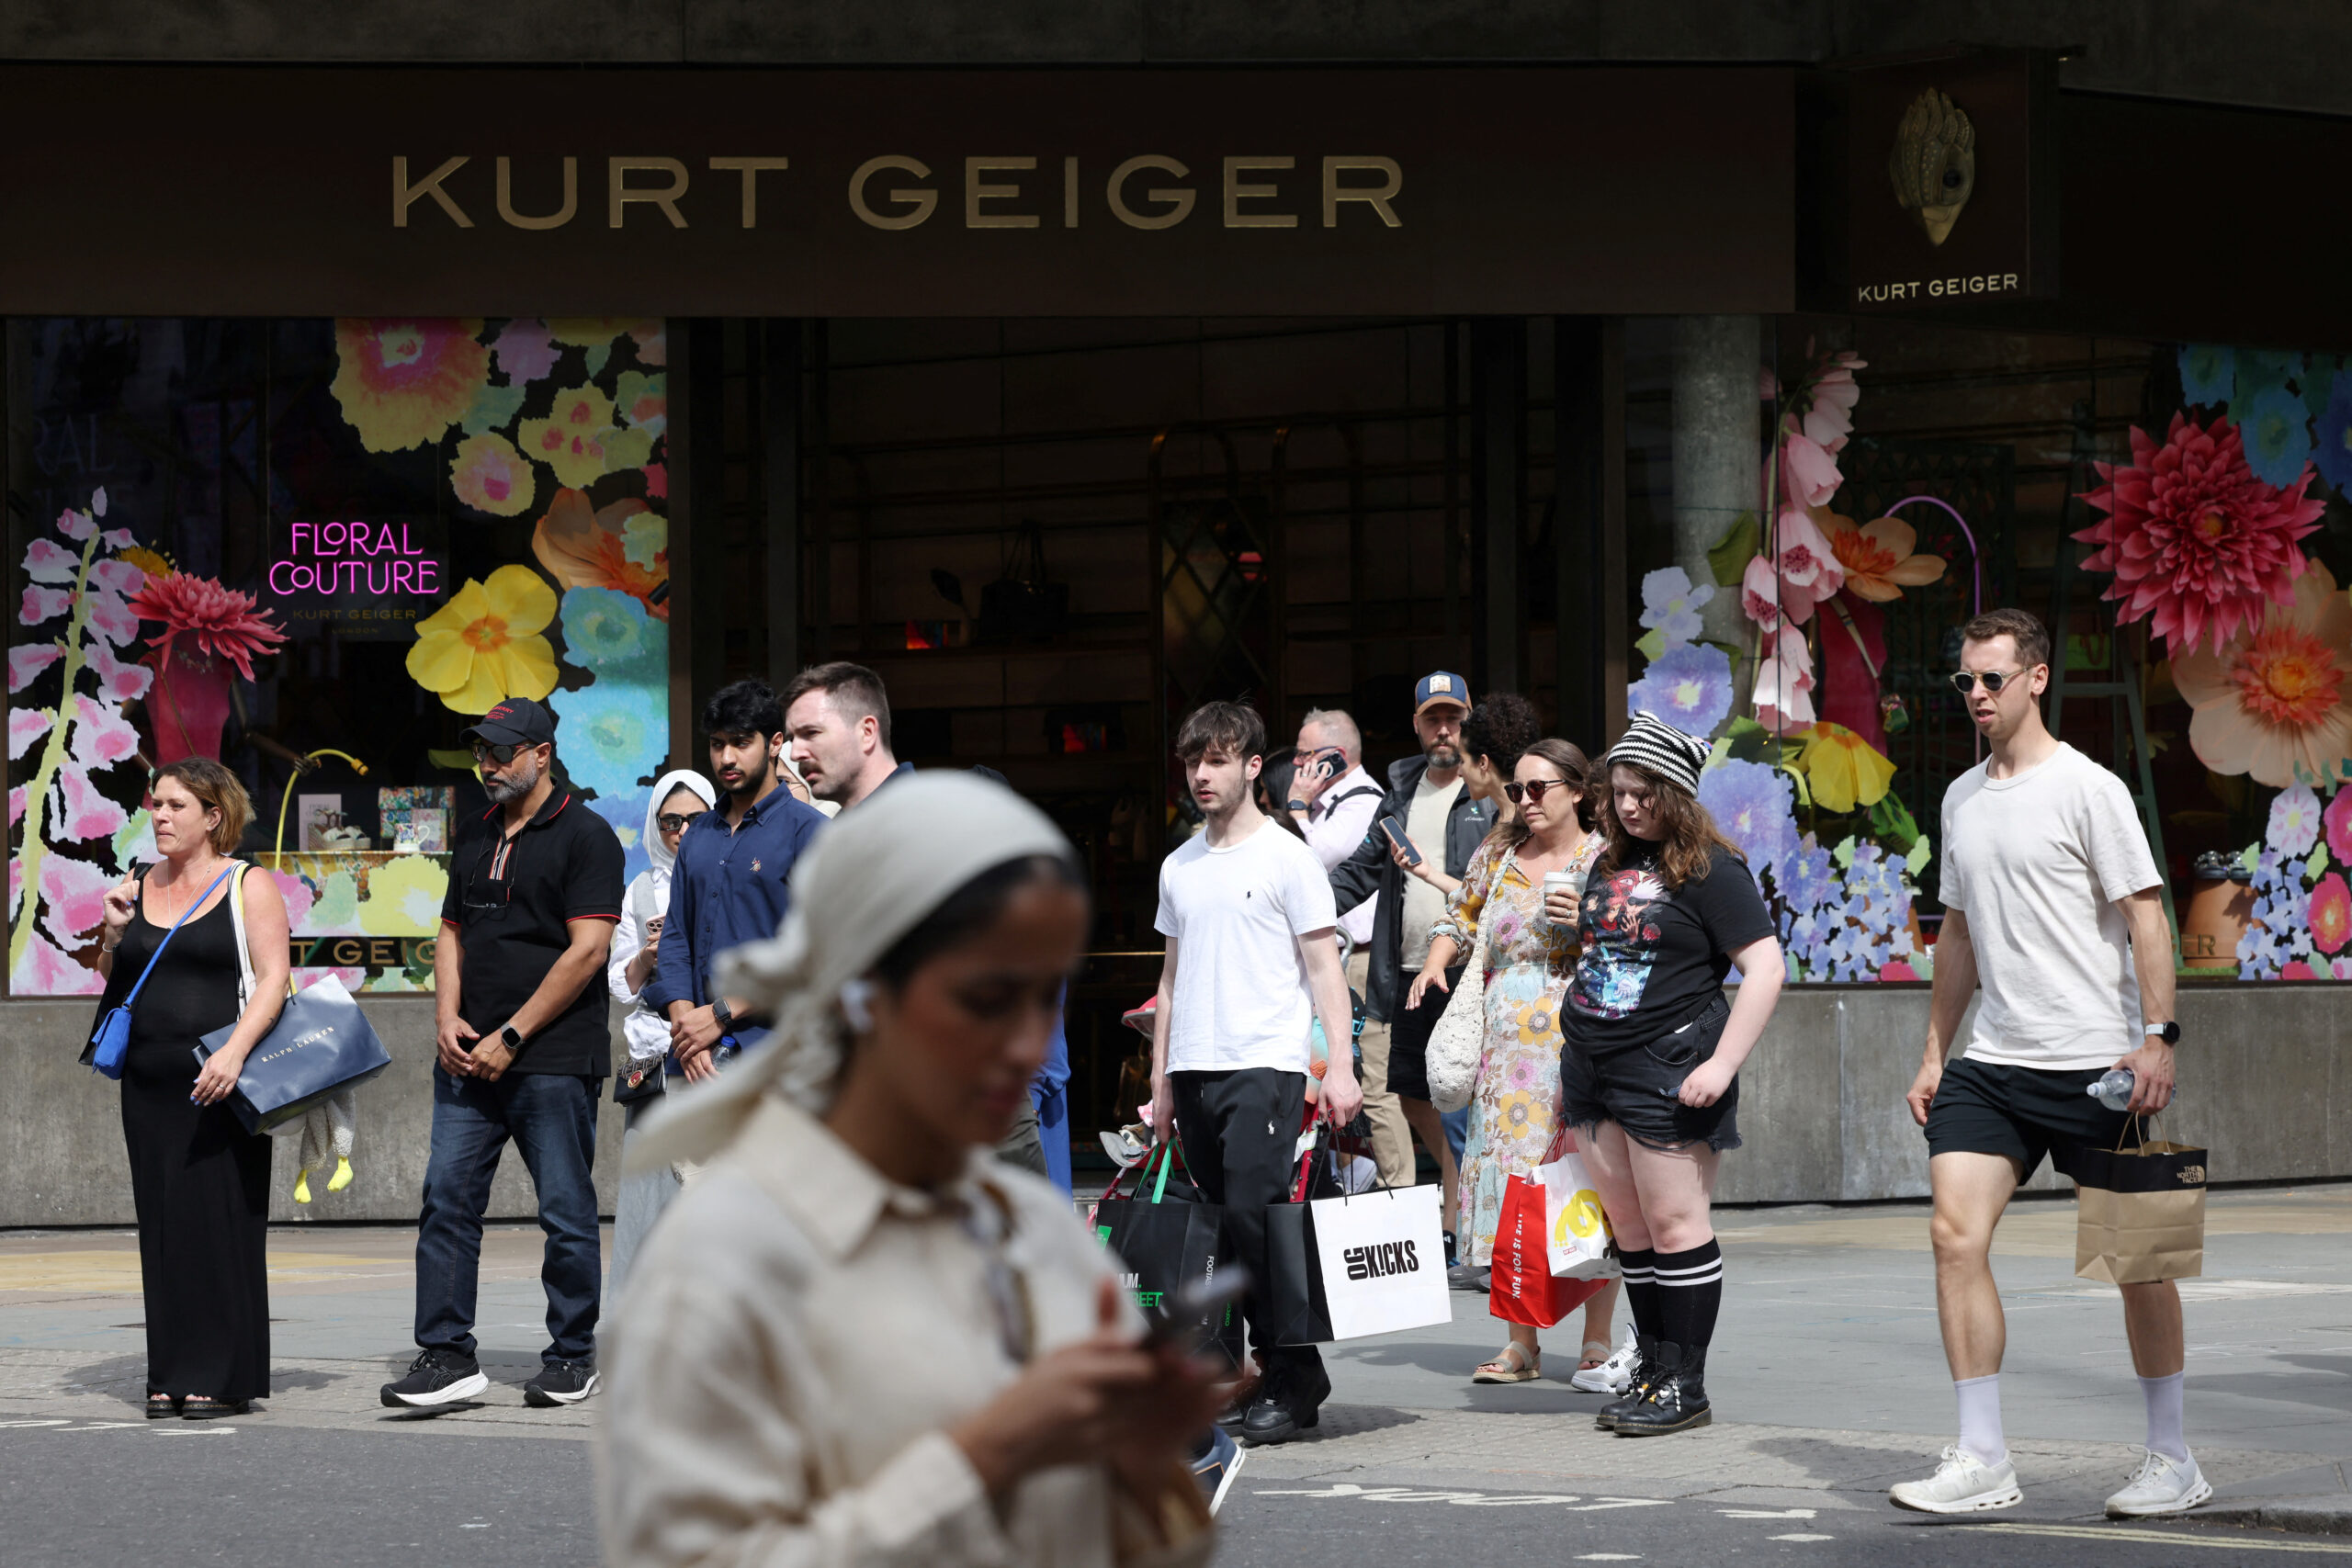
(721, 1013)
(512, 1038)
(2168, 1032)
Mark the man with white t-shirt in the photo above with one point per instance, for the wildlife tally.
(1252, 963)
(2050, 902)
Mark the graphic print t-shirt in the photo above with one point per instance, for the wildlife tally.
(1653, 954)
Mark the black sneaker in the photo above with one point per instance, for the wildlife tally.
(436, 1378)
(560, 1382)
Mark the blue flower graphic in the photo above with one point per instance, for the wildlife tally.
(2209, 373)
(626, 814)
(1671, 605)
(2277, 427)
(2333, 450)
(1689, 687)
(608, 631)
(610, 735)
(1755, 805)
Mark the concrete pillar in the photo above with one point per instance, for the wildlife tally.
(1718, 457)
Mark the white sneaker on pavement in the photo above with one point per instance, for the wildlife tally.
(1962, 1484)
(1615, 1375)
(2160, 1485)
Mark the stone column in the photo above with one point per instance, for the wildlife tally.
(1718, 467)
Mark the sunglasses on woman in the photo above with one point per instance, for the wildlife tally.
(1531, 790)
(674, 821)
(1964, 680)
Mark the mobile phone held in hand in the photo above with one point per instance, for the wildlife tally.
(1395, 831)
(1187, 1313)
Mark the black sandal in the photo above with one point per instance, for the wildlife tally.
(204, 1407)
(163, 1407)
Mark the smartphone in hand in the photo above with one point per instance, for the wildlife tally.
(1395, 831)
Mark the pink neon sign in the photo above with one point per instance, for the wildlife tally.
(354, 558)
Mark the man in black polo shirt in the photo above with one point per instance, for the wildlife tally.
(519, 1012)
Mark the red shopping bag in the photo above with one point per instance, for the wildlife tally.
(1524, 1289)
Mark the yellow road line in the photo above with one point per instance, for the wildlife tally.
(2136, 1534)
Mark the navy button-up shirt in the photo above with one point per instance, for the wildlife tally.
(726, 888)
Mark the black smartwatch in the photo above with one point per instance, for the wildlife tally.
(719, 1013)
(2168, 1032)
(510, 1038)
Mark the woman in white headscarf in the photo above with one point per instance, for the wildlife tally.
(857, 1338)
(678, 798)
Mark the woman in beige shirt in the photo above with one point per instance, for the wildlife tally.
(856, 1338)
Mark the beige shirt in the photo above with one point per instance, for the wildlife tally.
(1424, 905)
(796, 1336)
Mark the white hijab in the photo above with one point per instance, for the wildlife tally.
(657, 852)
(864, 883)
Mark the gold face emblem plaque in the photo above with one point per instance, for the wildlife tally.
(1933, 162)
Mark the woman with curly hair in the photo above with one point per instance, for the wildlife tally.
(1514, 1099)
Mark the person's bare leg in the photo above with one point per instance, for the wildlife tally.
(1970, 1192)
(1423, 1118)
(2152, 1320)
(1607, 1157)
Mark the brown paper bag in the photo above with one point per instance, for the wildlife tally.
(2142, 1213)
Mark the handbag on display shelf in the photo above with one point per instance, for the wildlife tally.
(1459, 1038)
(110, 1042)
(320, 1044)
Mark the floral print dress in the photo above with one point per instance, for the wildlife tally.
(1515, 1099)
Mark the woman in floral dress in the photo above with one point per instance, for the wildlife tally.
(1515, 1097)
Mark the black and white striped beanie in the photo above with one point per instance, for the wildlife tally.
(1674, 755)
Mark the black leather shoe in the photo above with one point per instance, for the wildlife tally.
(1644, 1373)
(1291, 1402)
(1676, 1400)
(1233, 1415)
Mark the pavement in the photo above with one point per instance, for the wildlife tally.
(1826, 1374)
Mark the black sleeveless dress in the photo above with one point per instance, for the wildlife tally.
(199, 1180)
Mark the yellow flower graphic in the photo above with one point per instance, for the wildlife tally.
(490, 476)
(404, 897)
(1537, 1024)
(1845, 770)
(402, 382)
(572, 438)
(485, 644)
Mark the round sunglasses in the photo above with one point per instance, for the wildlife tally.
(1531, 790)
(1964, 680)
(674, 821)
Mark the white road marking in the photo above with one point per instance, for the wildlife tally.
(2128, 1532)
(1573, 1503)
(1805, 1537)
(1766, 1513)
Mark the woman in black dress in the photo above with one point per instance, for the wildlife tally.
(200, 1182)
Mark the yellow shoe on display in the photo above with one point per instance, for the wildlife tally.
(302, 1187)
(341, 1177)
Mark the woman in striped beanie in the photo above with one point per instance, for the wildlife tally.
(1648, 1071)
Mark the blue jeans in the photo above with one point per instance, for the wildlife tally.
(552, 1118)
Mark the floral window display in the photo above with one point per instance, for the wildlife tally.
(315, 550)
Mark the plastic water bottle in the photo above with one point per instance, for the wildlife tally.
(2114, 1089)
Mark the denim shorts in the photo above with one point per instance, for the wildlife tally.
(1635, 1085)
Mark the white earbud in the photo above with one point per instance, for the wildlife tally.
(857, 1004)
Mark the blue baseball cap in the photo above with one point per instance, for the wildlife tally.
(1441, 686)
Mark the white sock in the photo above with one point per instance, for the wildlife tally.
(1980, 1418)
(2164, 1397)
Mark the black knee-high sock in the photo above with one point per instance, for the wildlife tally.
(1691, 1287)
(1641, 1289)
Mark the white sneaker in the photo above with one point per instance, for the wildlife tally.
(2160, 1485)
(1962, 1484)
(1615, 1375)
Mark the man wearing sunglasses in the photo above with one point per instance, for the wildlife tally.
(2051, 901)
(523, 1046)
(728, 883)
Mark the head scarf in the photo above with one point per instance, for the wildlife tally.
(1650, 742)
(868, 879)
(668, 784)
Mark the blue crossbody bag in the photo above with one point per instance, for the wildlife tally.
(112, 1041)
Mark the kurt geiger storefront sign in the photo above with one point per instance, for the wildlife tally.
(348, 191)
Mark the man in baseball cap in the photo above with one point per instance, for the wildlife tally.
(516, 721)
(1442, 688)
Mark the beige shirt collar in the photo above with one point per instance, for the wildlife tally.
(827, 1188)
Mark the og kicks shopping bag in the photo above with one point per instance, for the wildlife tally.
(1382, 1260)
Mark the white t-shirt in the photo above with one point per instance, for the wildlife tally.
(2041, 863)
(1424, 906)
(1237, 915)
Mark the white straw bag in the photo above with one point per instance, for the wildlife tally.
(1460, 1037)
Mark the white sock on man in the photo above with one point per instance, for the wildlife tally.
(2164, 1397)
(1980, 1418)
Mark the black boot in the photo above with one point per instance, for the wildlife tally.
(1644, 1373)
(1289, 1404)
(1676, 1400)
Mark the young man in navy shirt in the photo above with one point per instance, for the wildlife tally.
(729, 883)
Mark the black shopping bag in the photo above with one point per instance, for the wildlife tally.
(1295, 1296)
(1164, 1240)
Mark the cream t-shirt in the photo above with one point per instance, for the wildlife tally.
(2040, 863)
(1424, 906)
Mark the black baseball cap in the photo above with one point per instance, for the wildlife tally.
(516, 721)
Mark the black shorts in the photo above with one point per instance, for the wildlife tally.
(1408, 1037)
(1635, 1085)
(1986, 1108)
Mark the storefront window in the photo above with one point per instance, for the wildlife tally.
(316, 549)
